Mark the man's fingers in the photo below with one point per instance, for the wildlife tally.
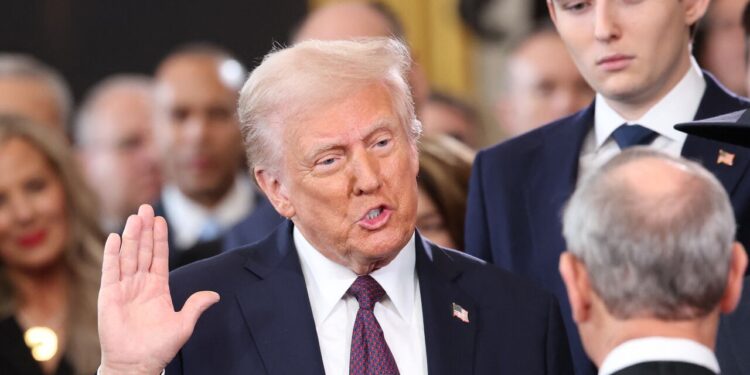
(160, 262)
(111, 261)
(195, 306)
(129, 249)
(146, 245)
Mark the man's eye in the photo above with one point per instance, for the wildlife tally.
(576, 6)
(180, 115)
(383, 143)
(328, 161)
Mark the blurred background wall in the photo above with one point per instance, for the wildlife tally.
(460, 43)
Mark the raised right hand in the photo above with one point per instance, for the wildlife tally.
(139, 330)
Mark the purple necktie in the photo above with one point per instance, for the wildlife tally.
(369, 354)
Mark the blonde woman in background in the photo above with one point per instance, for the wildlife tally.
(50, 257)
(443, 179)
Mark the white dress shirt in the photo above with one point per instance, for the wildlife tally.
(654, 349)
(399, 313)
(679, 105)
(187, 218)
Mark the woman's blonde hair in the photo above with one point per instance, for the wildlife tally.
(83, 252)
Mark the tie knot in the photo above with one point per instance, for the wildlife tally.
(367, 291)
(633, 135)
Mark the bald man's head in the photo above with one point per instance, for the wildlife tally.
(197, 131)
(655, 233)
(34, 90)
(347, 20)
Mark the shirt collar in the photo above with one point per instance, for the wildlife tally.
(678, 106)
(328, 281)
(188, 217)
(652, 349)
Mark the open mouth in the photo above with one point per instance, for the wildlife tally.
(374, 213)
(375, 218)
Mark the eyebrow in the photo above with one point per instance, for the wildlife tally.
(377, 126)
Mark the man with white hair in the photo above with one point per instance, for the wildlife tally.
(652, 263)
(114, 140)
(31, 89)
(346, 284)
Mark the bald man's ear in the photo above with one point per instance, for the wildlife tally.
(275, 190)
(576, 280)
(735, 279)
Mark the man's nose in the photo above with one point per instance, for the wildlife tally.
(197, 127)
(365, 173)
(606, 25)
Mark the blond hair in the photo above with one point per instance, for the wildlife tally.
(82, 252)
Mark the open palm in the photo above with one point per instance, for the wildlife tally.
(139, 330)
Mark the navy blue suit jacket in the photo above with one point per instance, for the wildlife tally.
(518, 189)
(253, 228)
(264, 324)
(733, 342)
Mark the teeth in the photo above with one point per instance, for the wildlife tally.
(373, 213)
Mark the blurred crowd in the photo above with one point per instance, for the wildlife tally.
(72, 172)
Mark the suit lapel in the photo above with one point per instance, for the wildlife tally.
(554, 182)
(449, 341)
(707, 152)
(277, 310)
(716, 101)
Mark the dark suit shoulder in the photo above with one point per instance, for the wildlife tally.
(518, 158)
(531, 139)
(219, 273)
(254, 227)
(490, 285)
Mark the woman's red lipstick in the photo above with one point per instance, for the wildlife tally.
(32, 239)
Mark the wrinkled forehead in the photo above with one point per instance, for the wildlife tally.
(337, 102)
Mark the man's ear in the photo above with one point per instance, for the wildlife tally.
(551, 9)
(694, 10)
(735, 279)
(576, 280)
(275, 190)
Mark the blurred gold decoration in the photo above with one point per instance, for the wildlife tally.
(42, 341)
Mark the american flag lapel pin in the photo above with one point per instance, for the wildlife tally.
(726, 158)
(460, 313)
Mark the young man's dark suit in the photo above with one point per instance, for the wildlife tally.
(733, 341)
(264, 323)
(518, 189)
